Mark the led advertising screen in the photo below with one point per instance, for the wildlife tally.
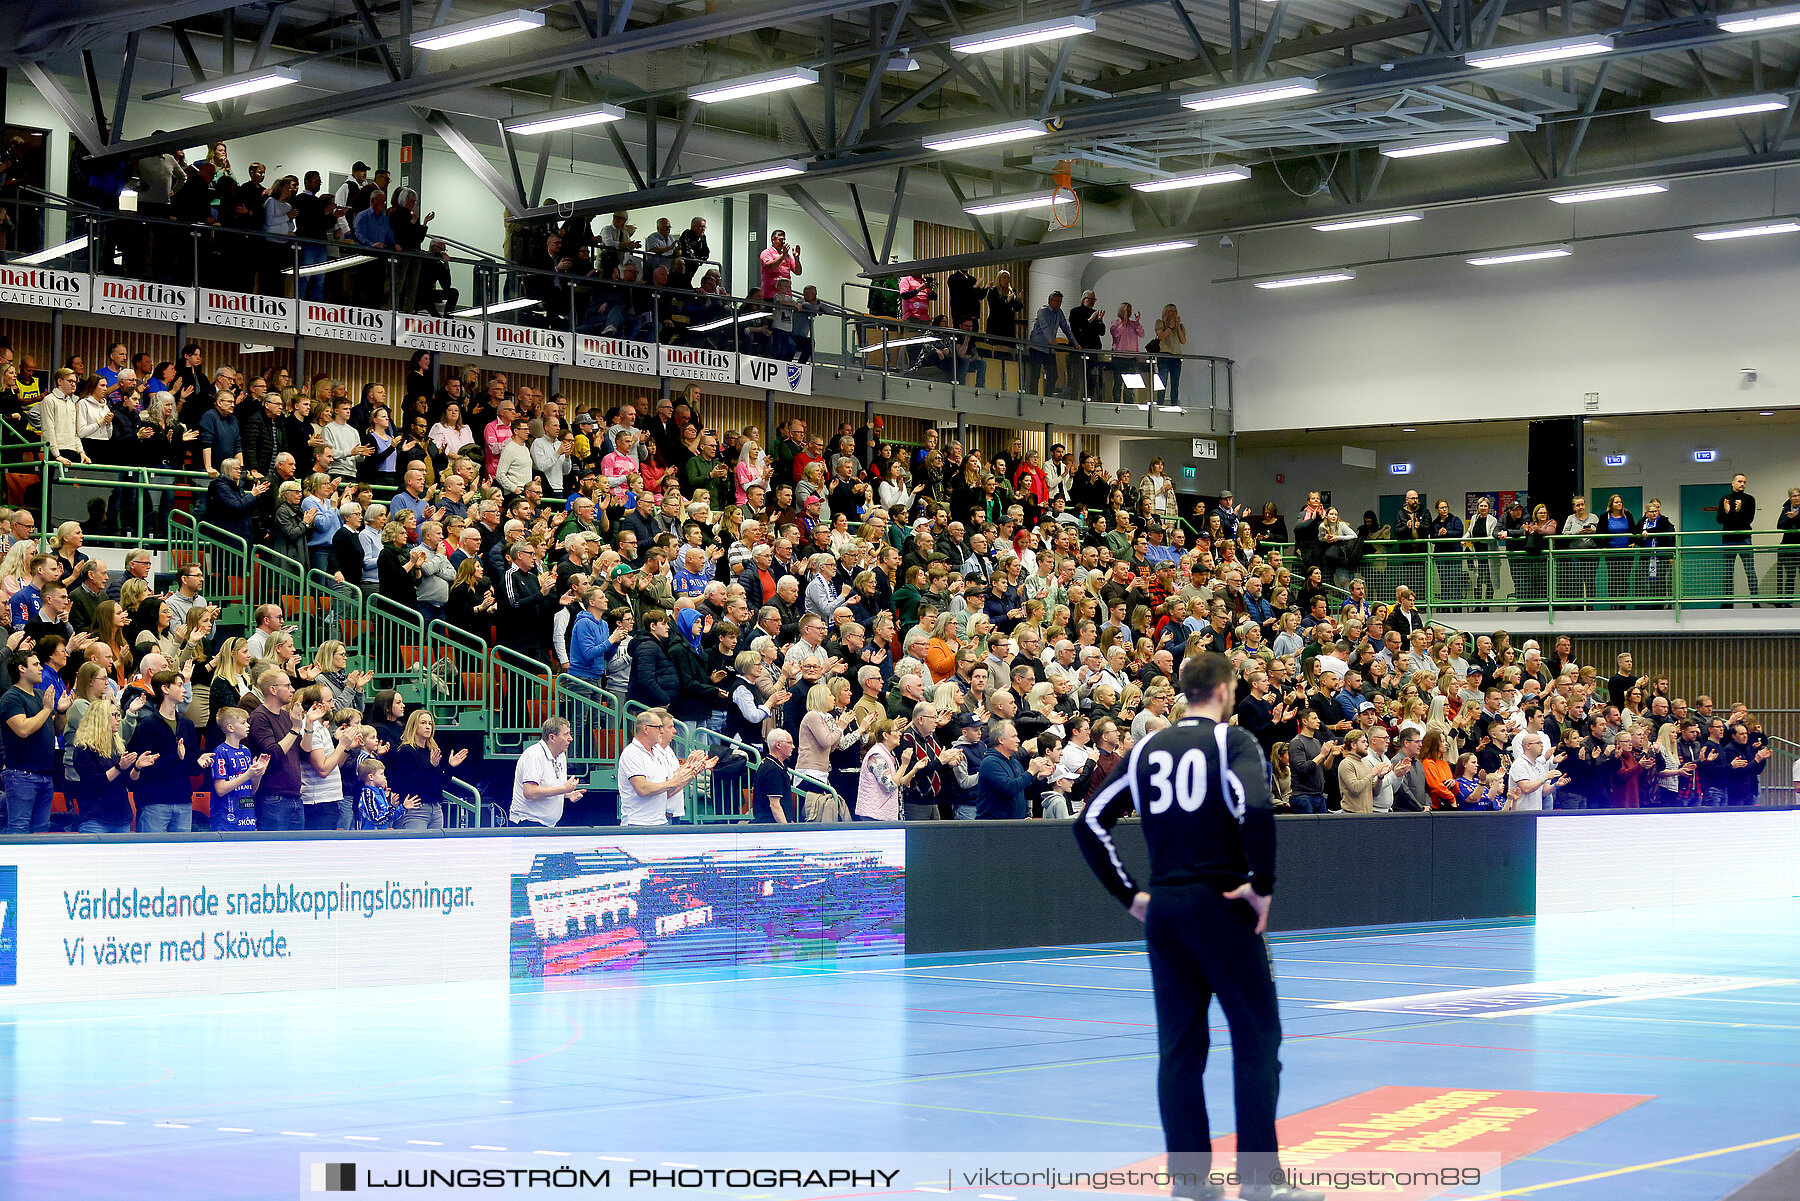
(86, 921)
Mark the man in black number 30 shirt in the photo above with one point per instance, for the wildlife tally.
(1203, 794)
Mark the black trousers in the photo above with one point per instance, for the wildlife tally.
(1202, 946)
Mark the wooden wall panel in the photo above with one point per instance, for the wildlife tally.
(931, 240)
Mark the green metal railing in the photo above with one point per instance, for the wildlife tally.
(394, 641)
(467, 810)
(721, 795)
(457, 684)
(1695, 573)
(521, 700)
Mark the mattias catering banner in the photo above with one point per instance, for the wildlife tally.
(43, 288)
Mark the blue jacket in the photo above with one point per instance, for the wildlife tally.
(1001, 794)
(590, 646)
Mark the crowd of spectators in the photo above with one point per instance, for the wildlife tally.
(608, 278)
(886, 631)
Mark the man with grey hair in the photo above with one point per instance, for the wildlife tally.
(541, 781)
(652, 781)
(822, 592)
(772, 789)
(907, 694)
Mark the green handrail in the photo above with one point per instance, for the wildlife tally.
(395, 643)
(466, 806)
(457, 685)
(522, 699)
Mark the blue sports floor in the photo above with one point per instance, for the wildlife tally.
(1034, 1049)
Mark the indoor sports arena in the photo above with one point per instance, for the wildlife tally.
(655, 598)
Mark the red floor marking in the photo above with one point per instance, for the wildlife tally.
(1387, 1127)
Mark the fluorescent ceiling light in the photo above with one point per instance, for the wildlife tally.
(1171, 408)
(740, 319)
(1009, 204)
(890, 345)
(754, 174)
(481, 29)
(1758, 20)
(54, 252)
(1749, 231)
(1724, 106)
(1302, 281)
(1618, 193)
(1368, 222)
(1446, 146)
(1135, 379)
(503, 306)
(263, 80)
(1022, 35)
(1250, 93)
(355, 260)
(1147, 248)
(1521, 256)
(987, 135)
(754, 85)
(574, 118)
(1540, 52)
(1197, 179)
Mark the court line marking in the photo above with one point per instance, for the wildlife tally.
(1503, 1194)
(222, 1129)
(484, 1147)
(361, 1138)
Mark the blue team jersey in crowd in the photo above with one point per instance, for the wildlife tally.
(234, 810)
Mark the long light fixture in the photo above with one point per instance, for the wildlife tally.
(1443, 146)
(986, 135)
(54, 252)
(880, 346)
(1303, 281)
(1009, 204)
(740, 319)
(1135, 379)
(1749, 231)
(502, 306)
(1146, 248)
(1619, 193)
(1250, 93)
(1758, 20)
(481, 29)
(783, 80)
(573, 118)
(355, 260)
(1331, 227)
(1580, 46)
(1022, 35)
(1532, 255)
(1196, 179)
(263, 79)
(1723, 106)
(780, 169)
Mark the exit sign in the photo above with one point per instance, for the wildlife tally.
(1613, 460)
(1189, 472)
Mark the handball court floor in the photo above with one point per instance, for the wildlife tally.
(1048, 1048)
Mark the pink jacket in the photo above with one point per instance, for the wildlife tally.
(1127, 336)
(616, 466)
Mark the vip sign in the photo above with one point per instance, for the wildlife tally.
(241, 310)
(697, 362)
(527, 342)
(615, 354)
(347, 323)
(775, 375)
(141, 299)
(43, 288)
(444, 335)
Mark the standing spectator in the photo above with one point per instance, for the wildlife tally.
(692, 250)
(1736, 515)
(168, 750)
(1171, 341)
(1088, 321)
(1042, 361)
(884, 778)
(772, 788)
(779, 262)
(421, 770)
(1579, 530)
(651, 778)
(103, 768)
(1127, 339)
(275, 732)
(1787, 561)
(1004, 307)
(29, 741)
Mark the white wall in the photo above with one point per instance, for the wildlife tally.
(1652, 322)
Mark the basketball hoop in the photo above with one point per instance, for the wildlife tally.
(1065, 205)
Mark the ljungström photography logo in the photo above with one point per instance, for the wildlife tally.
(334, 1178)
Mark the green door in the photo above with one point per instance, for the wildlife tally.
(1387, 508)
(1598, 499)
(1699, 573)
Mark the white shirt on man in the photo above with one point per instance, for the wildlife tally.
(648, 808)
(1529, 771)
(1384, 787)
(538, 766)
